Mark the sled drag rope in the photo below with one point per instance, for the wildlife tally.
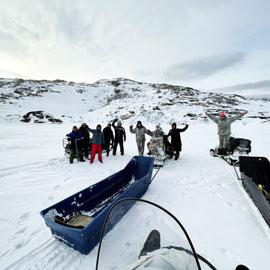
(236, 172)
(155, 175)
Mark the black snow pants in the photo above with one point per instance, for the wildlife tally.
(121, 143)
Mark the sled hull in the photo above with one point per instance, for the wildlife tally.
(96, 200)
(256, 171)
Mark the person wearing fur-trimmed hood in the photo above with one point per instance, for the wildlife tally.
(176, 142)
(140, 132)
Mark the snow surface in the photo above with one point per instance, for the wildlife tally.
(201, 191)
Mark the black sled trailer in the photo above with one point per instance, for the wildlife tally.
(255, 176)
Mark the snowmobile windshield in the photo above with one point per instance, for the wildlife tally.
(138, 234)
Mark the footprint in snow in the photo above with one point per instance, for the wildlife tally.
(21, 244)
(24, 216)
(217, 194)
(228, 253)
(56, 187)
(22, 230)
(235, 205)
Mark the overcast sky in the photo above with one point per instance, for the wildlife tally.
(206, 44)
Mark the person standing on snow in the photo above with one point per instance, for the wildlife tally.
(140, 132)
(97, 141)
(86, 141)
(176, 143)
(224, 129)
(156, 142)
(76, 143)
(108, 138)
(120, 136)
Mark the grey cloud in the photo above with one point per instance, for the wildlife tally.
(9, 74)
(204, 67)
(250, 89)
(149, 40)
(263, 84)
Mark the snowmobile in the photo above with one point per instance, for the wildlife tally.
(71, 150)
(237, 147)
(147, 236)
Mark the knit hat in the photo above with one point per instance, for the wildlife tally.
(222, 115)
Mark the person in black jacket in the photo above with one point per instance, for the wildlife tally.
(176, 143)
(108, 138)
(76, 143)
(86, 141)
(120, 136)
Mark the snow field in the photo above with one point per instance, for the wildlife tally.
(201, 191)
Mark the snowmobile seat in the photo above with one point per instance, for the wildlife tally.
(243, 146)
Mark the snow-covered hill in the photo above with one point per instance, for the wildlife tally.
(200, 190)
(122, 98)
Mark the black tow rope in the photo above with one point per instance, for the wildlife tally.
(236, 172)
(155, 175)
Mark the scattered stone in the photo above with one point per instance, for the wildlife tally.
(126, 116)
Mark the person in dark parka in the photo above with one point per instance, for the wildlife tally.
(108, 138)
(76, 141)
(86, 141)
(120, 136)
(176, 143)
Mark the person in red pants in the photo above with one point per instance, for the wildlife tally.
(97, 141)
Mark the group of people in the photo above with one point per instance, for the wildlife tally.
(159, 140)
(101, 139)
(107, 139)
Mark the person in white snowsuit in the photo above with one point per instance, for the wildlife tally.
(169, 259)
(165, 259)
(155, 257)
(224, 129)
(140, 132)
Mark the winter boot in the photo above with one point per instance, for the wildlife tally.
(152, 243)
(176, 155)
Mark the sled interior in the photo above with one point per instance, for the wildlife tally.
(78, 219)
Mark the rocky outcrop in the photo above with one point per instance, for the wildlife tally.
(39, 117)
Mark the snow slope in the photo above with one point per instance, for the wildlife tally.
(201, 191)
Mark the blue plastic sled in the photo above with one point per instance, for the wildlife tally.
(78, 219)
